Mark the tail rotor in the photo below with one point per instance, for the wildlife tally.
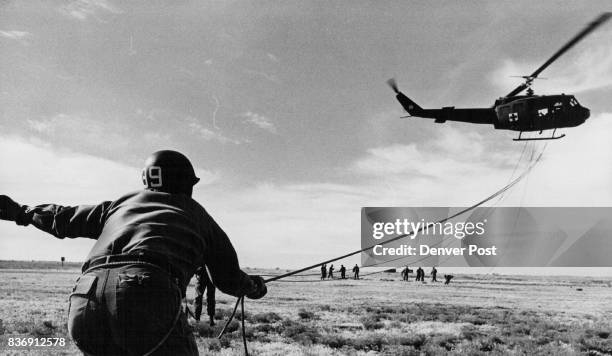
(393, 84)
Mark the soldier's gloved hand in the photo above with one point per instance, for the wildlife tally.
(9, 209)
(259, 288)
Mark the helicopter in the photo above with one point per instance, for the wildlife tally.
(523, 113)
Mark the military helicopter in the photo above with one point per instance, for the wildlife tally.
(523, 113)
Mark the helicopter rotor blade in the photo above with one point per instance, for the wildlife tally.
(590, 28)
(527, 77)
(393, 84)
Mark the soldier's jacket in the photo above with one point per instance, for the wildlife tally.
(170, 225)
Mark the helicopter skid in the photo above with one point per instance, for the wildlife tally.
(553, 137)
(539, 138)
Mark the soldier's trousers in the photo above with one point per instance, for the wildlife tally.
(210, 302)
(129, 310)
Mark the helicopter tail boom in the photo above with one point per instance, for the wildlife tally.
(474, 115)
(410, 106)
(471, 115)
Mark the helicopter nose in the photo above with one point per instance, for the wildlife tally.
(586, 113)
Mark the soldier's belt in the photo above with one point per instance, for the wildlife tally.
(119, 260)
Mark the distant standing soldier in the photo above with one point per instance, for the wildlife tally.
(203, 283)
(434, 272)
(149, 244)
(420, 275)
(342, 272)
(330, 274)
(356, 272)
(323, 271)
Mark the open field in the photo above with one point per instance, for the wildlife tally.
(379, 314)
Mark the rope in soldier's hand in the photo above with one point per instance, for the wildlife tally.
(229, 320)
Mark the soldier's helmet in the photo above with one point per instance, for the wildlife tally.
(169, 171)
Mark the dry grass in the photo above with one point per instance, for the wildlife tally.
(472, 315)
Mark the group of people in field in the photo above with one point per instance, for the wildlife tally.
(420, 275)
(328, 273)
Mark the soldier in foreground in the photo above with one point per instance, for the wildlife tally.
(149, 244)
(203, 283)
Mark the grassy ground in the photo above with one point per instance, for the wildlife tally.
(377, 315)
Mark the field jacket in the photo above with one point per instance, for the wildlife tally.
(171, 225)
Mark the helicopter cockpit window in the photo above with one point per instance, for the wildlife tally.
(543, 112)
(573, 102)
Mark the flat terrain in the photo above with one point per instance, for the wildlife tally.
(379, 314)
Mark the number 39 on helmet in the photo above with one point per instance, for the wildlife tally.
(169, 171)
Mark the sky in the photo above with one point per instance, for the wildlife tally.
(284, 111)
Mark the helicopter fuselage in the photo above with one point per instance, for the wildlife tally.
(518, 113)
(539, 112)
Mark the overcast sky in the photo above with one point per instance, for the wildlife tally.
(284, 110)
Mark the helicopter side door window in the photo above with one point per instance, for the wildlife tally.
(557, 107)
(513, 117)
(543, 112)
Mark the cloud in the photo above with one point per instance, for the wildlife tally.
(287, 224)
(81, 131)
(271, 77)
(84, 9)
(15, 35)
(35, 173)
(206, 178)
(260, 121)
(40, 171)
(207, 134)
(452, 153)
(273, 58)
(115, 136)
(576, 169)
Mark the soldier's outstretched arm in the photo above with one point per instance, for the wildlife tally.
(59, 221)
(224, 269)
